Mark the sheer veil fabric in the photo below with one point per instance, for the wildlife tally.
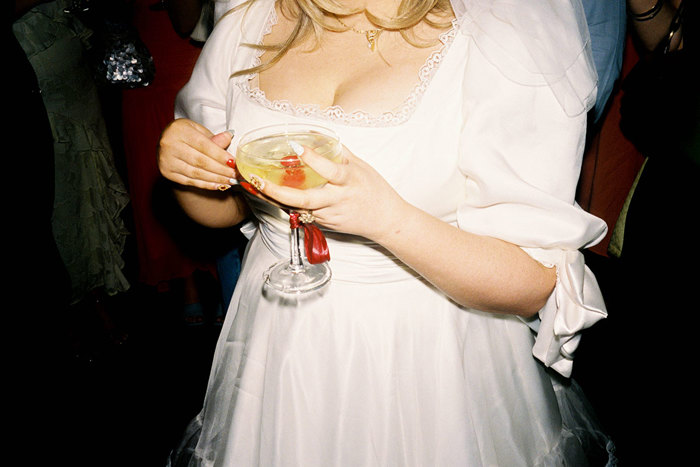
(549, 45)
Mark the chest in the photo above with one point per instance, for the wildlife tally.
(342, 70)
(403, 118)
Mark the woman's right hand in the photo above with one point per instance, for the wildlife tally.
(191, 155)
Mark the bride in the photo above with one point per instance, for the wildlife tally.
(447, 332)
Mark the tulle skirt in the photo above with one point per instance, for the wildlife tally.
(379, 369)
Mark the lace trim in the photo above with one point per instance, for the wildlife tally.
(336, 113)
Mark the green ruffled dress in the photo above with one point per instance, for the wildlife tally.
(90, 194)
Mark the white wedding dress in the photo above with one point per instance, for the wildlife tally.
(379, 368)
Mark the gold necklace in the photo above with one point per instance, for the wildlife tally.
(372, 35)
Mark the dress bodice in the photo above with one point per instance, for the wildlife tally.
(486, 143)
(437, 187)
(387, 141)
(420, 161)
(423, 170)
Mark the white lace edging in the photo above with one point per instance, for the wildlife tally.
(336, 113)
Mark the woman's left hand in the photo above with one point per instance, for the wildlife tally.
(356, 200)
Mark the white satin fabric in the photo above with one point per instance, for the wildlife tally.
(380, 368)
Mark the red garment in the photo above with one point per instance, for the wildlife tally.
(611, 162)
(146, 112)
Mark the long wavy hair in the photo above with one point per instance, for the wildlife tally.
(313, 17)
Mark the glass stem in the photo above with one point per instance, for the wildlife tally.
(295, 262)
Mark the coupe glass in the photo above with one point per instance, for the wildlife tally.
(268, 153)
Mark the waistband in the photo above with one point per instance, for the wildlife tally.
(353, 258)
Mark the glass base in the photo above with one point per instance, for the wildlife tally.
(284, 278)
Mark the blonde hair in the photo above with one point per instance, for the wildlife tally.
(315, 16)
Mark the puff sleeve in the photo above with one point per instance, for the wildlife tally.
(205, 98)
(521, 153)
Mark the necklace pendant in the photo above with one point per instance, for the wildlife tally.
(372, 37)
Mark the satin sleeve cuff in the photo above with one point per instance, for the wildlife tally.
(575, 304)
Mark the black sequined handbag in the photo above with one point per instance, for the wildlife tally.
(123, 60)
(119, 56)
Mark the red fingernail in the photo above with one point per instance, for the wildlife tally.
(249, 188)
(231, 163)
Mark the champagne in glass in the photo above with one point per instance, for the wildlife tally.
(267, 153)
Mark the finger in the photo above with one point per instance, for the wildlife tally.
(192, 134)
(202, 173)
(312, 198)
(214, 147)
(223, 139)
(336, 173)
(197, 151)
(206, 185)
(192, 164)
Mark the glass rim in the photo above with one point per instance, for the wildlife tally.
(280, 129)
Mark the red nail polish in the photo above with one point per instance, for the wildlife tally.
(249, 188)
(231, 163)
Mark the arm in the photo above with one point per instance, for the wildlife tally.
(210, 208)
(651, 20)
(521, 156)
(474, 270)
(190, 154)
(196, 160)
